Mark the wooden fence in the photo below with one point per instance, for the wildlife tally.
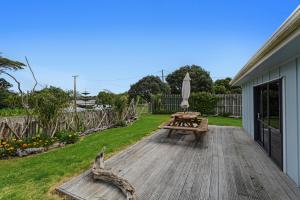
(27, 126)
(228, 104)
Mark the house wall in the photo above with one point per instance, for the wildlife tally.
(289, 71)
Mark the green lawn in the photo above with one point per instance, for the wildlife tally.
(33, 177)
(225, 121)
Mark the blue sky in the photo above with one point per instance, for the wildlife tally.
(111, 44)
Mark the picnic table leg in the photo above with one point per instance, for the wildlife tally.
(170, 132)
(197, 135)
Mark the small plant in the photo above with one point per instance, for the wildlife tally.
(120, 123)
(226, 114)
(67, 137)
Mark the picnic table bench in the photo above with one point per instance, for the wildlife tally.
(188, 122)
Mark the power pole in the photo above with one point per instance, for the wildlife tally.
(162, 76)
(75, 94)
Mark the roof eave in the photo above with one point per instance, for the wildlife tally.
(281, 35)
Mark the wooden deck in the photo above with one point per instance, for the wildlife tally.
(224, 164)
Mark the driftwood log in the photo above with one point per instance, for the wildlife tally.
(99, 173)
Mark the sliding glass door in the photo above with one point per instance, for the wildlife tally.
(268, 119)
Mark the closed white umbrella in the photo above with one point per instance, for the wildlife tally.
(185, 91)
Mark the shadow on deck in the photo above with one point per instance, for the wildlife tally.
(224, 164)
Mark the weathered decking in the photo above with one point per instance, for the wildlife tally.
(224, 164)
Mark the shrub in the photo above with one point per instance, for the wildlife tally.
(203, 102)
(120, 123)
(67, 137)
(226, 114)
(7, 112)
(120, 103)
(40, 141)
(48, 105)
(156, 104)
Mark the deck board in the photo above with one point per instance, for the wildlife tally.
(224, 164)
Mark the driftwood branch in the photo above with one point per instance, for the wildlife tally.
(105, 175)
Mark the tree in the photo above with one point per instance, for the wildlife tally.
(7, 65)
(146, 87)
(4, 84)
(200, 79)
(105, 98)
(222, 86)
(4, 93)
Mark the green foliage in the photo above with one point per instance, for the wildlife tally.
(7, 112)
(6, 63)
(48, 105)
(14, 100)
(222, 86)
(105, 98)
(225, 114)
(146, 87)
(120, 104)
(40, 141)
(156, 104)
(203, 102)
(4, 84)
(220, 89)
(67, 137)
(200, 79)
(120, 123)
(4, 93)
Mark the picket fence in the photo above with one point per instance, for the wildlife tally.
(228, 104)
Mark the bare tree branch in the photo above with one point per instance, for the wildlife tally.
(19, 87)
(33, 75)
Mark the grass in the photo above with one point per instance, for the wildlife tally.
(32, 177)
(35, 176)
(224, 121)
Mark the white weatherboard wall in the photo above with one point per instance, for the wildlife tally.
(290, 74)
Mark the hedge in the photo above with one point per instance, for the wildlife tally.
(203, 102)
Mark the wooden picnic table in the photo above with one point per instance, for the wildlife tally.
(187, 121)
